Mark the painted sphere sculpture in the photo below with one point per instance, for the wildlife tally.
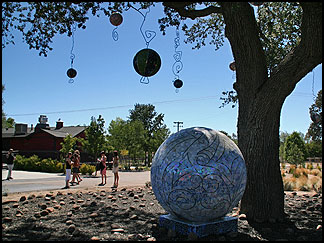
(232, 66)
(147, 62)
(177, 83)
(198, 174)
(71, 73)
(116, 19)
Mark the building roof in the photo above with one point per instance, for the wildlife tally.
(61, 133)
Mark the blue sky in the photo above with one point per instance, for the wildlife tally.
(107, 83)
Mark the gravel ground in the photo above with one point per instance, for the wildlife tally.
(130, 214)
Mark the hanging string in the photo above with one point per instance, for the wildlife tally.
(115, 34)
(178, 65)
(148, 36)
(314, 96)
(72, 55)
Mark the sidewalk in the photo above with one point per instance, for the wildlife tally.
(25, 181)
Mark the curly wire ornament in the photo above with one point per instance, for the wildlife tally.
(115, 34)
(178, 65)
(148, 36)
(72, 55)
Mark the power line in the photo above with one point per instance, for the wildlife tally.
(113, 107)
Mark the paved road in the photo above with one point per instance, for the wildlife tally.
(26, 181)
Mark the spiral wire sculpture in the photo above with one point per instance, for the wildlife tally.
(148, 36)
(115, 34)
(72, 55)
(178, 65)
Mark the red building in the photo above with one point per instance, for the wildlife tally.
(43, 140)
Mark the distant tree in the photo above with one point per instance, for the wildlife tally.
(155, 130)
(68, 145)
(95, 140)
(294, 149)
(315, 129)
(6, 122)
(314, 149)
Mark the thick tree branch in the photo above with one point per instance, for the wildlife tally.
(306, 56)
(180, 8)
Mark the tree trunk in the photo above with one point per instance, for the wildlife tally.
(258, 139)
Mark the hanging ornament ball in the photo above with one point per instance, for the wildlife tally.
(177, 83)
(71, 73)
(147, 62)
(116, 19)
(232, 66)
(257, 4)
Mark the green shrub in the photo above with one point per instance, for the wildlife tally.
(91, 169)
(84, 169)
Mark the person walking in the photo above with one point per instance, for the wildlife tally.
(115, 169)
(10, 163)
(103, 167)
(68, 164)
(75, 169)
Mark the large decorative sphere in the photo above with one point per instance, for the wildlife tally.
(71, 72)
(147, 62)
(198, 174)
(232, 66)
(116, 19)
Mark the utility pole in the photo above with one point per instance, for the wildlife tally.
(178, 125)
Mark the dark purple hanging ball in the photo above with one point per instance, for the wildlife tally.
(177, 83)
(71, 73)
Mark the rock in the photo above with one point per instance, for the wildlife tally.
(15, 205)
(94, 238)
(115, 226)
(23, 198)
(136, 197)
(31, 196)
(134, 216)
(44, 213)
(119, 230)
(69, 222)
(42, 206)
(141, 205)
(151, 239)
(76, 207)
(80, 201)
(47, 199)
(37, 215)
(7, 219)
(110, 197)
(131, 194)
(50, 209)
(71, 228)
(242, 216)
(57, 206)
(132, 207)
(319, 227)
(62, 203)
(93, 215)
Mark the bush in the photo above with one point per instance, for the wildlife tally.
(34, 163)
(289, 184)
(87, 169)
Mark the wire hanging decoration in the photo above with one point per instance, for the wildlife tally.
(115, 19)
(315, 117)
(71, 72)
(232, 66)
(146, 62)
(178, 65)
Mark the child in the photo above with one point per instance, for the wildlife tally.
(75, 169)
(115, 169)
(68, 162)
(103, 168)
(10, 163)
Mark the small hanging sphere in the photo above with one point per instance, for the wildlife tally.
(257, 4)
(177, 83)
(232, 66)
(71, 73)
(147, 62)
(116, 19)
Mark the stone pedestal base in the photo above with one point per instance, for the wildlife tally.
(220, 226)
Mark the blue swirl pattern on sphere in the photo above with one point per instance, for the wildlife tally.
(198, 174)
